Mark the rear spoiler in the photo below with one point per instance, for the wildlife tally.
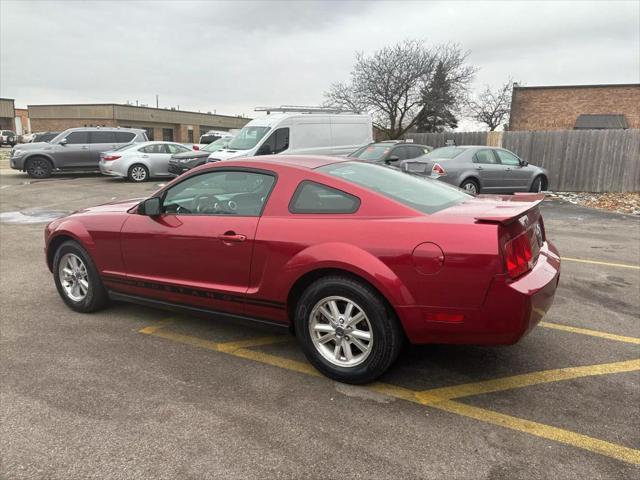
(511, 208)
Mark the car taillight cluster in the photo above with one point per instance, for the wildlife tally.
(109, 158)
(438, 170)
(518, 255)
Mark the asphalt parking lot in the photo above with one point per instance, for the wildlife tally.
(134, 392)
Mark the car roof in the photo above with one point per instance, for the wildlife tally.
(108, 129)
(309, 162)
(390, 143)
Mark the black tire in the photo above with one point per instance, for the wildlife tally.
(386, 333)
(536, 186)
(138, 173)
(39, 167)
(96, 296)
(471, 186)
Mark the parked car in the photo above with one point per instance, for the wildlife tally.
(140, 161)
(299, 133)
(353, 257)
(181, 162)
(8, 137)
(213, 135)
(480, 169)
(74, 149)
(390, 152)
(43, 136)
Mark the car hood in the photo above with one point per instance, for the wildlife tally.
(113, 207)
(194, 154)
(34, 146)
(226, 154)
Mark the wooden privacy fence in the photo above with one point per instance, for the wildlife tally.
(577, 160)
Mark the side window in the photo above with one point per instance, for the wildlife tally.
(400, 152)
(507, 158)
(173, 148)
(124, 137)
(220, 193)
(277, 142)
(77, 138)
(102, 137)
(312, 197)
(415, 152)
(484, 156)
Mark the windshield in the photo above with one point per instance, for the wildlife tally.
(247, 138)
(371, 152)
(217, 145)
(422, 194)
(444, 152)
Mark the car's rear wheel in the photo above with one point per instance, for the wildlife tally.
(138, 173)
(470, 186)
(77, 279)
(39, 167)
(346, 330)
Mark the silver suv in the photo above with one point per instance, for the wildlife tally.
(73, 149)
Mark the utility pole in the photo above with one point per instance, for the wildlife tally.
(157, 106)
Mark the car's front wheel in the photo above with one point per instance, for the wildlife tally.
(346, 330)
(39, 167)
(77, 278)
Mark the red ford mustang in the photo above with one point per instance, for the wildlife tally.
(353, 257)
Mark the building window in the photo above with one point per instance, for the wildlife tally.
(167, 134)
(189, 136)
(149, 131)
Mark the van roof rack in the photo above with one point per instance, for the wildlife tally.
(300, 109)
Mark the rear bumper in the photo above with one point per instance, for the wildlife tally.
(510, 310)
(177, 168)
(107, 168)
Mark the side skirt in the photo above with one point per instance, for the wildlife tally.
(181, 308)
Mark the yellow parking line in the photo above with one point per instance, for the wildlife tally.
(151, 329)
(619, 452)
(598, 262)
(436, 395)
(592, 333)
(561, 435)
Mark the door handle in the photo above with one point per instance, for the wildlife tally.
(84, 147)
(478, 167)
(232, 237)
(145, 156)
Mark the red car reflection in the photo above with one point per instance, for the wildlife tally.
(355, 258)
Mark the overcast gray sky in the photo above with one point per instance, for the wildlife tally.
(233, 56)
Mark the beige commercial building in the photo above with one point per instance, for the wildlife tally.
(7, 114)
(575, 106)
(160, 123)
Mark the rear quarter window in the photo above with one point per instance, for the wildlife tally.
(125, 137)
(312, 197)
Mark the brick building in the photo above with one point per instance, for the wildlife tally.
(7, 114)
(575, 106)
(160, 123)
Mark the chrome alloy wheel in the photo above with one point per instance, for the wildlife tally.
(340, 331)
(471, 188)
(74, 277)
(138, 174)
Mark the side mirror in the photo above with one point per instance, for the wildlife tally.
(523, 163)
(265, 149)
(392, 159)
(63, 142)
(150, 207)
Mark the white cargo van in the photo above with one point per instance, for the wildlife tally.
(300, 134)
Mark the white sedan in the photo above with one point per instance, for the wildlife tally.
(140, 161)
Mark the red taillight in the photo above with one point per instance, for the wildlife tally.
(438, 170)
(196, 147)
(109, 158)
(518, 255)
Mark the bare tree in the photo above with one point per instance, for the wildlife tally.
(492, 107)
(391, 84)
